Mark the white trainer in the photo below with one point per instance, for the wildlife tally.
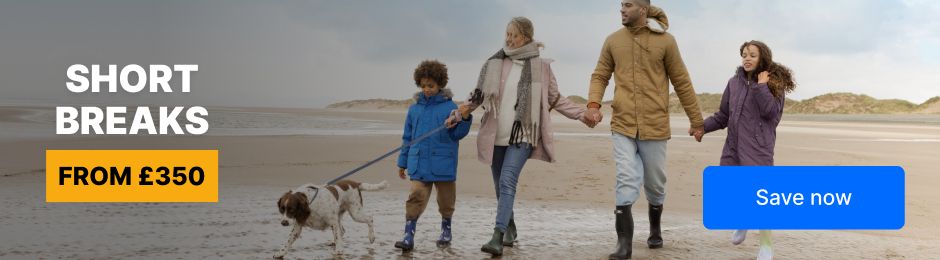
(738, 236)
(765, 253)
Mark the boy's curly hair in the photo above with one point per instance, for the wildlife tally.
(433, 70)
(781, 77)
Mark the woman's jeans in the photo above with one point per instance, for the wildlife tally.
(507, 164)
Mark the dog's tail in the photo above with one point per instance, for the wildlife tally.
(373, 187)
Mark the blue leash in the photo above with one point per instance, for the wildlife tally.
(476, 97)
(414, 141)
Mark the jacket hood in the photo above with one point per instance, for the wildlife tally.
(444, 95)
(657, 20)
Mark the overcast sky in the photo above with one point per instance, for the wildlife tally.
(313, 53)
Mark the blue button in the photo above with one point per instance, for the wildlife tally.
(803, 197)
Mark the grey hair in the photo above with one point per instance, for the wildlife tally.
(524, 25)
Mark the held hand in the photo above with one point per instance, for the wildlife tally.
(598, 117)
(763, 77)
(697, 133)
(401, 173)
(453, 119)
(588, 122)
(592, 117)
(450, 122)
(464, 110)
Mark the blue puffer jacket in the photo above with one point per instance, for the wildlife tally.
(435, 158)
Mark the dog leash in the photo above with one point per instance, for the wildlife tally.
(316, 191)
(422, 137)
(476, 97)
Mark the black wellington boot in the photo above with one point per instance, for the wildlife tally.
(495, 246)
(510, 237)
(656, 237)
(624, 225)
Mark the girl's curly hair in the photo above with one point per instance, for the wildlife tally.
(433, 70)
(781, 77)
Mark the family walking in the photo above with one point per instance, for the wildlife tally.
(517, 89)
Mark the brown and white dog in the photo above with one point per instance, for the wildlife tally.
(319, 207)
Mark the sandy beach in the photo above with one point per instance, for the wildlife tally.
(564, 210)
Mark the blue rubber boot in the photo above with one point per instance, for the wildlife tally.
(408, 242)
(445, 238)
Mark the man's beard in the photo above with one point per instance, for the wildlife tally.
(629, 21)
(633, 22)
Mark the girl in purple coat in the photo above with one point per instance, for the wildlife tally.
(751, 108)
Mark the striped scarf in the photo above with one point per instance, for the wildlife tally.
(525, 126)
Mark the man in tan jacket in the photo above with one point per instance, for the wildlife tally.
(643, 58)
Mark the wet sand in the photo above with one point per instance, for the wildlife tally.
(564, 210)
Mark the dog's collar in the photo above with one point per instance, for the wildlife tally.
(314, 197)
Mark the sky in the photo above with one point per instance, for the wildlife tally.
(314, 53)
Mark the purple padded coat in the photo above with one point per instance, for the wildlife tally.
(751, 114)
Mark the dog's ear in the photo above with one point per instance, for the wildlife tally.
(300, 210)
(282, 202)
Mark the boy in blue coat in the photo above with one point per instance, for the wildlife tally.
(432, 161)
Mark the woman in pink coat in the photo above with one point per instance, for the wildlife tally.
(517, 89)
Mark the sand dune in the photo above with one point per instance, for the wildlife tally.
(830, 103)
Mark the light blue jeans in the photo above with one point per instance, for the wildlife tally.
(507, 164)
(640, 162)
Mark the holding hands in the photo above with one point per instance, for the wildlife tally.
(592, 117)
(464, 110)
(461, 113)
(697, 132)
